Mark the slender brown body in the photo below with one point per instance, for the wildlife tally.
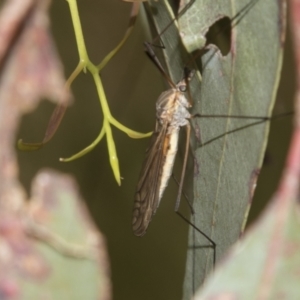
(171, 113)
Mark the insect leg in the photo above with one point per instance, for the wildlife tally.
(187, 144)
(180, 184)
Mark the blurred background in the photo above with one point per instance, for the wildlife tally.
(151, 267)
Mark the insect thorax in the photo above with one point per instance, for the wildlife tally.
(172, 107)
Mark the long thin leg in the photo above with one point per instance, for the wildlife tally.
(184, 195)
(188, 136)
(213, 244)
(187, 145)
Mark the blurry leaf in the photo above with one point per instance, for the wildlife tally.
(70, 244)
(265, 264)
(242, 83)
(35, 70)
(30, 70)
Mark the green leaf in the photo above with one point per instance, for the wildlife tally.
(229, 151)
(265, 264)
(69, 253)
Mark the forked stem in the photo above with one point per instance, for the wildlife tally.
(86, 65)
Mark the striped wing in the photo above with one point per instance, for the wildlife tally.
(147, 193)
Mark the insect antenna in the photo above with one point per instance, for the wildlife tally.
(153, 57)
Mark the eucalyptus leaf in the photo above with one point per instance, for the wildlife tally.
(75, 262)
(265, 264)
(229, 151)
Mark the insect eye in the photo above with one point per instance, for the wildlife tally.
(182, 88)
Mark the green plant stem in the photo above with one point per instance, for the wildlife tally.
(85, 64)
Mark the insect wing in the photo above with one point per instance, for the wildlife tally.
(146, 198)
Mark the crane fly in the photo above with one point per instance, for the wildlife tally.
(171, 114)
